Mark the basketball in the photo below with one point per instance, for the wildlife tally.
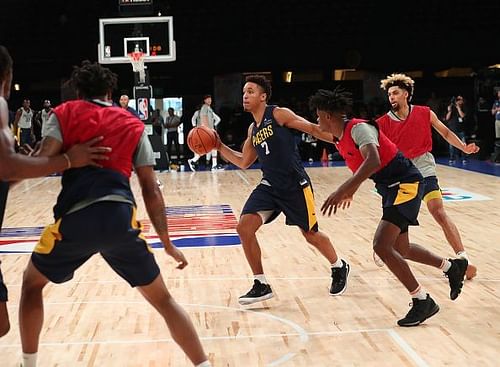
(202, 140)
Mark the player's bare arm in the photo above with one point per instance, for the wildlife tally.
(155, 206)
(79, 155)
(343, 195)
(286, 117)
(243, 159)
(451, 137)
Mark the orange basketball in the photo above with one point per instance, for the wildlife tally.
(202, 140)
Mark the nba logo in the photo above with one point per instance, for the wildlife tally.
(143, 108)
(107, 51)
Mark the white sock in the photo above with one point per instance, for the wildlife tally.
(29, 359)
(419, 293)
(204, 364)
(261, 278)
(445, 265)
(338, 263)
(463, 255)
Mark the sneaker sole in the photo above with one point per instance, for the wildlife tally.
(249, 301)
(471, 272)
(346, 281)
(434, 311)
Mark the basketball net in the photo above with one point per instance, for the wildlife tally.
(137, 60)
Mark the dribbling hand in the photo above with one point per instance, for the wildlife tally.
(177, 255)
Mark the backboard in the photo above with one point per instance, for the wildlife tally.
(120, 36)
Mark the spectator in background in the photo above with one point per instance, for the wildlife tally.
(495, 111)
(41, 118)
(209, 118)
(157, 122)
(172, 124)
(23, 123)
(124, 100)
(485, 127)
(455, 119)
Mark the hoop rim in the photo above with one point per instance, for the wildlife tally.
(136, 56)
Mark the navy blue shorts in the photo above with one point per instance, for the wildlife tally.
(297, 205)
(107, 227)
(401, 203)
(3, 288)
(431, 189)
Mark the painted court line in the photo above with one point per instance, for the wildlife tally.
(299, 331)
(408, 350)
(218, 278)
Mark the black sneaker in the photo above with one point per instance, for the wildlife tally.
(456, 275)
(420, 311)
(259, 292)
(339, 279)
(192, 165)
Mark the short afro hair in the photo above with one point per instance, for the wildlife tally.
(338, 100)
(398, 80)
(93, 80)
(262, 82)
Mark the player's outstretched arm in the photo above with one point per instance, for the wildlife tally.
(243, 159)
(288, 118)
(343, 195)
(155, 206)
(451, 137)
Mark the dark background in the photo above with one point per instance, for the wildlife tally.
(215, 37)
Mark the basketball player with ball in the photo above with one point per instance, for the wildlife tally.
(285, 186)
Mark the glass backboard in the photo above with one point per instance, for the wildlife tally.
(120, 36)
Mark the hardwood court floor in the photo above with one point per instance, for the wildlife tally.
(98, 320)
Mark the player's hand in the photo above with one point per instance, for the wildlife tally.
(26, 149)
(177, 254)
(336, 200)
(471, 148)
(87, 154)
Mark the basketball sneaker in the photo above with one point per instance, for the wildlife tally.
(421, 310)
(339, 279)
(191, 165)
(455, 275)
(259, 292)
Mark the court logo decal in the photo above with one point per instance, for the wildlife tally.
(456, 194)
(189, 226)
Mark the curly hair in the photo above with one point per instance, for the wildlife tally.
(93, 80)
(262, 82)
(5, 63)
(338, 100)
(398, 80)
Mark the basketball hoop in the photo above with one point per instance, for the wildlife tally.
(137, 60)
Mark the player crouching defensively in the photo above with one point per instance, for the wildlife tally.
(370, 154)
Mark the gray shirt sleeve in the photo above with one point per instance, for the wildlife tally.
(51, 128)
(364, 133)
(144, 155)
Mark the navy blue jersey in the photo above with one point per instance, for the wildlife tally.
(278, 153)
